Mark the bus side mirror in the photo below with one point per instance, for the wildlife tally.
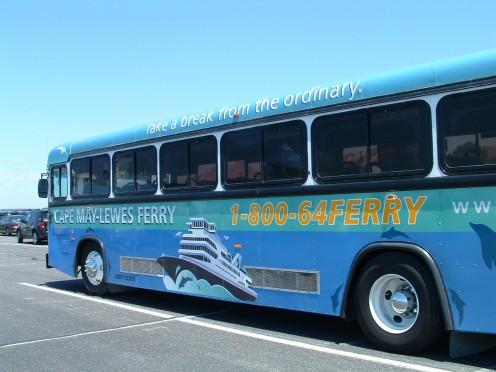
(43, 188)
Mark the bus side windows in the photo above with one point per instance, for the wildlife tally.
(284, 153)
(398, 137)
(189, 165)
(242, 157)
(100, 179)
(269, 155)
(340, 145)
(380, 142)
(90, 176)
(135, 171)
(101, 183)
(467, 132)
(58, 182)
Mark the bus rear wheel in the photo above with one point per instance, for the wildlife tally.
(93, 270)
(396, 304)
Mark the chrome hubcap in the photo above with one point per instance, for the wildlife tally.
(393, 303)
(93, 268)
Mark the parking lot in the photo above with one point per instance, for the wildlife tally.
(49, 323)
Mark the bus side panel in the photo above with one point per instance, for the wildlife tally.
(61, 249)
(467, 257)
(293, 252)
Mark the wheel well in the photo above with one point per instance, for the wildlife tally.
(83, 243)
(413, 250)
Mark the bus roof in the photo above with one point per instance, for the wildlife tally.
(461, 69)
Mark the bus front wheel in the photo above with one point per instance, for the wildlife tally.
(93, 270)
(396, 304)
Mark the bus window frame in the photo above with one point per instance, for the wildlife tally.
(52, 188)
(135, 188)
(191, 185)
(262, 133)
(424, 143)
(91, 181)
(443, 115)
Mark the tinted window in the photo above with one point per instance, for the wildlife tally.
(379, 142)
(275, 154)
(13, 218)
(58, 182)
(90, 176)
(467, 126)
(190, 164)
(135, 171)
(341, 145)
(242, 156)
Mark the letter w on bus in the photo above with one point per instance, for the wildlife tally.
(482, 206)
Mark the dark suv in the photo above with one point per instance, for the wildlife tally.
(33, 226)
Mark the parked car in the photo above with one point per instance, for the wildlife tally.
(33, 226)
(9, 224)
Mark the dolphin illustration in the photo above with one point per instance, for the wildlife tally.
(459, 304)
(488, 243)
(183, 281)
(335, 298)
(393, 233)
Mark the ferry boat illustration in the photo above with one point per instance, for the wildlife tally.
(202, 253)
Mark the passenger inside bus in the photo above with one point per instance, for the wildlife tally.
(101, 184)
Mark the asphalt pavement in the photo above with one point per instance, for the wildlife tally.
(49, 323)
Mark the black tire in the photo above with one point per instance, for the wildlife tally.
(19, 237)
(396, 304)
(93, 270)
(36, 239)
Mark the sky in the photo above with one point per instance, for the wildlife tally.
(71, 69)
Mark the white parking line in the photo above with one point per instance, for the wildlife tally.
(199, 323)
(322, 349)
(83, 334)
(102, 301)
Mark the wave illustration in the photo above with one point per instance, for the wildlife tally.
(186, 282)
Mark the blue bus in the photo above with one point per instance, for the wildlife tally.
(370, 199)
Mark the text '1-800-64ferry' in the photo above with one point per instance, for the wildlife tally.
(202, 253)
